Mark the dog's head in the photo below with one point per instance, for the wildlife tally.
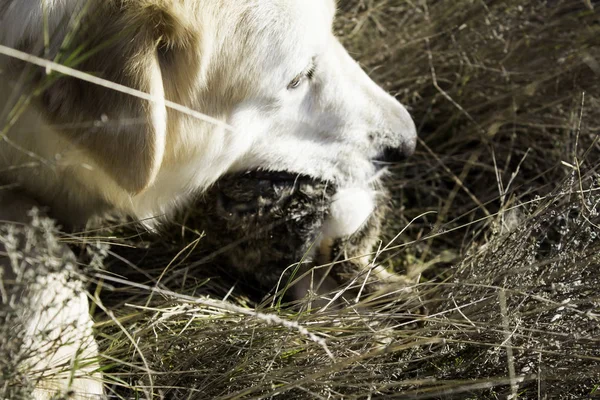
(289, 96)
(299, 99)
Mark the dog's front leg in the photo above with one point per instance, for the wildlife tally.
(45, 304)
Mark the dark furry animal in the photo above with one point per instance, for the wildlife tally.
(259, 224)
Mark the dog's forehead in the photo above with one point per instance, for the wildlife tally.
(293, 18)
(274, 37)
(296, 7)
(298, 29)
(310, 8)
(255, 48)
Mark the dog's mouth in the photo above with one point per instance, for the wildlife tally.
(259, 197)
(266, 220)
(381, 165)
(256, 199)
(292, 178)
(280, 177)
(255, 193)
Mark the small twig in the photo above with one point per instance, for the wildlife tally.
(507, 344)
(461, 313)
(575, 158)
(53, 66)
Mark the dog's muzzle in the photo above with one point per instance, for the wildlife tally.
(394, 155)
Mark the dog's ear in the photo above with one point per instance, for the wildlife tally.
(172, 22)
(124, 42)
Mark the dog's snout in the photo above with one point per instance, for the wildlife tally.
(401, 141)
(404, 138)
(398, 153)
(409, 145)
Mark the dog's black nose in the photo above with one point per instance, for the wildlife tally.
(393, 155)
(398, 153)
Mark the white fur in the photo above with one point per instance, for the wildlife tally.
(60, 310)
(349, 211)
(250, 50)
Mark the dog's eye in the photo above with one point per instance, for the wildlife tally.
(309, 73)
(294, 84)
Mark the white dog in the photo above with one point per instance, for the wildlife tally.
(281, 92)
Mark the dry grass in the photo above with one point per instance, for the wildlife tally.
(507, 99)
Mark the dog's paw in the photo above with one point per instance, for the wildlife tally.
(76, 389)
(65, 353)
